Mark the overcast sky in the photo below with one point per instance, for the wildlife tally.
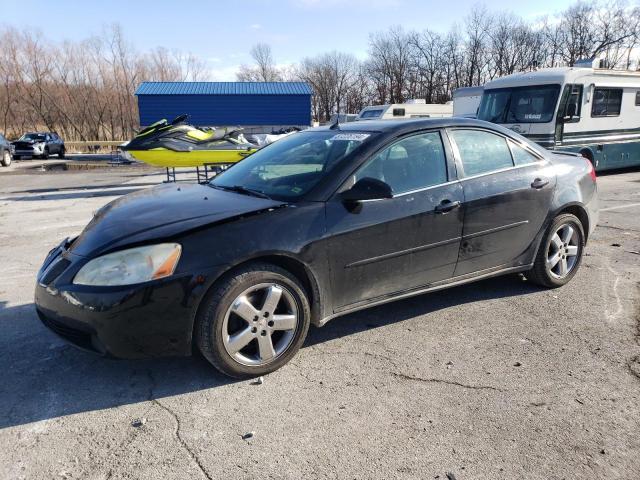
(222, 33)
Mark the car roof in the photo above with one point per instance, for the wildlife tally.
(411, 124)
(401, 127)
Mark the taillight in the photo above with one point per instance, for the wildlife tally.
(592, 171)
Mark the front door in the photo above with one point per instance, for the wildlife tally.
(382, 247)
(508, 191)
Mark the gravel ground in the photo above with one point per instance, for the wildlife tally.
(498, 379)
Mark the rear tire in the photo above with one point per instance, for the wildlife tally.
(560, 253)
(45, 154)
(240, 318)
(61, 153)
(6, 159)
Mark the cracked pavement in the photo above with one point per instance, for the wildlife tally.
(497, 379)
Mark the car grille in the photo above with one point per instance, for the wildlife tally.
(77, 337)
(54, 270)
(23, 146)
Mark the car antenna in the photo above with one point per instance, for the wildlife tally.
(336, 124)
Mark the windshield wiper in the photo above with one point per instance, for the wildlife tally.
(243, 190)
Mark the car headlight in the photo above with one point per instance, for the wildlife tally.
(134, 265)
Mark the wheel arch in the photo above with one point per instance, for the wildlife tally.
(285, 261)
(578, 211)
(587, 152)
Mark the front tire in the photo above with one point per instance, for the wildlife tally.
(560, 253)
(6, 159)
(253, 321)
(45, 154)
(61, 153)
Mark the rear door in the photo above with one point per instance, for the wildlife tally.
(381, 247)
(508, 190)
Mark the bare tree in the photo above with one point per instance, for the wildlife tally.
(264, 70)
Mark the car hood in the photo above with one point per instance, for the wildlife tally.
(162, 212)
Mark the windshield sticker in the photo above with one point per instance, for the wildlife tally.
(533, 116)
(356, 137)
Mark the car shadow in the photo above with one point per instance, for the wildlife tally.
(401, 310)
(44, 378)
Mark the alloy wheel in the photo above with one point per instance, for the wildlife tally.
(562, 254)
(260, 324)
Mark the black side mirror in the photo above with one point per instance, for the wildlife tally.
(367, 188)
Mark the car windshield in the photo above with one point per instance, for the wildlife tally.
(531, 104)
(290, 167)
(33, 136)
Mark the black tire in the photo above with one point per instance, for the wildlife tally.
(6, 159)
(61, 153)
(45, 154)
(540, 273)
(16, 157)
(208, 330)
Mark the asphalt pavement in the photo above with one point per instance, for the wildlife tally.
(497, 379)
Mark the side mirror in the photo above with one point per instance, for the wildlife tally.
(367, 188)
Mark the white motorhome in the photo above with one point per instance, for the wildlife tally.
(593, 111)
(411, 109)
(466, 101)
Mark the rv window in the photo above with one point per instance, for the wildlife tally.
(575, 98)
(606, 102)
(638, 98)
(398, 112)
(530, 104)
(371, 113)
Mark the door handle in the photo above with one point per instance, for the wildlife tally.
(539, 183)
(447, 205)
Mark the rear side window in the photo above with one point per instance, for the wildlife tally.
(521, 156)
(481, 152)
(606, 102)
(409, 164)
(398, 112)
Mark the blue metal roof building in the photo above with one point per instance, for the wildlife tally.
(226, 103)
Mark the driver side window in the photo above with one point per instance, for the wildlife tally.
(409, 164)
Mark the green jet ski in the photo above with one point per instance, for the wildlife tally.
(178, 144)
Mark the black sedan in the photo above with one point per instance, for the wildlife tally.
(324, 222)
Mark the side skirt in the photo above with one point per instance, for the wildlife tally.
(452, 282)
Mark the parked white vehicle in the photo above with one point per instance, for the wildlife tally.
(415, 109)
(466, 101)
(592, 111)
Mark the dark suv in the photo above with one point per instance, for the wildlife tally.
(6, 152)
(39, 144)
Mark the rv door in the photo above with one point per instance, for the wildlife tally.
(568, 109)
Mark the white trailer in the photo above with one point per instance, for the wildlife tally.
(466, 101)
(412, 109)
(593, 111)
